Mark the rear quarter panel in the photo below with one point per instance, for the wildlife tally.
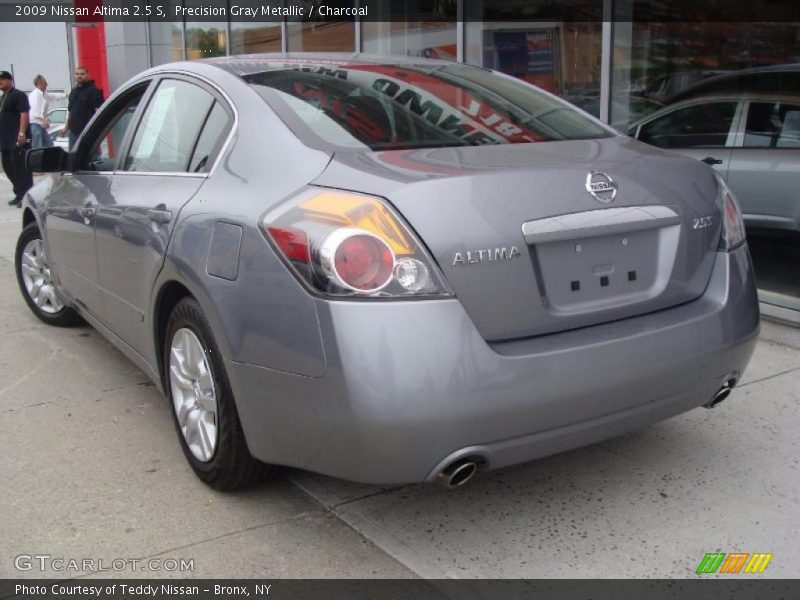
(263, 316)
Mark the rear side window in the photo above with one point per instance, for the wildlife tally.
(772, 125)
(211, 139)
(698, 125)
(169, 129)
(393, 107)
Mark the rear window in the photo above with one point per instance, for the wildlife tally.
(389, 107)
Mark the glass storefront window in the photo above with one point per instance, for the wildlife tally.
(425, 28)
(333, 36)
(728, 94)
(249, 38)
(560, 57)
(655, 63)
(427, 39)
(205, 40)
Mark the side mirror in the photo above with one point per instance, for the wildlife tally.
(47, 160)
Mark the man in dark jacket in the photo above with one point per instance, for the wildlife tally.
(14, 118)
(84, 100)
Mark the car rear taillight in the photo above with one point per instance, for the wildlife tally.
(293, 244)
(733, 232)
(357, 260)
(354, 245)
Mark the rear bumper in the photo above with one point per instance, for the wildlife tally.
(411, 386)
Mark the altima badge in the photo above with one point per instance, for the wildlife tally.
(475, 257)
(601, 186)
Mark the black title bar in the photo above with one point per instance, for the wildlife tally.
(275, 11)
(740, 588)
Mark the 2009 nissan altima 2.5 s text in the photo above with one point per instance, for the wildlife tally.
(387, 270)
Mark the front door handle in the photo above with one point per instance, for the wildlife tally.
(710, 160)
(87, 212)
(159, 216)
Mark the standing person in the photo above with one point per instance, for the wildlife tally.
(14, 110)
(39, 100)
(84, 100)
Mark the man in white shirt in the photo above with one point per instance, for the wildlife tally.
(39, 100)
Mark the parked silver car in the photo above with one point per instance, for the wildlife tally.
(752, 140)
(387, 270)
(57, 117)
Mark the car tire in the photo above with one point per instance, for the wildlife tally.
(202, 402)
(33, 276)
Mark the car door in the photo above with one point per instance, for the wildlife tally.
(72, 205)
(765, 164)
(703, 129)
(182, 128)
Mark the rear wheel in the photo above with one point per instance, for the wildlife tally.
(36, 283)
(202, 402)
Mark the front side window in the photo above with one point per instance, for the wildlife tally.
(773, 125)
(104, 149)
(401, 106)
(165, 139)
(699, 125)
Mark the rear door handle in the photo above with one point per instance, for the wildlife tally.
(710, 160)
(159, 216)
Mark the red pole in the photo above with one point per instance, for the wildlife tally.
(91, 45)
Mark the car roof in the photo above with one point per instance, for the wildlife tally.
(789, 67)
(749, 77)
(242, 64)
(737, 97)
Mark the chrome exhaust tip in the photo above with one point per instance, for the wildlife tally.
(457, 473)
(722, 394)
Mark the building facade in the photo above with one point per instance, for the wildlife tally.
(618, 70)
(26, 55)
(604, 56)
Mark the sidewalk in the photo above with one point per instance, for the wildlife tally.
(91, 468)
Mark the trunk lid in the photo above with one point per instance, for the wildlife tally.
(528, 250)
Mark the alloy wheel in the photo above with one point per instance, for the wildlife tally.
(37, 278)
(194, 395)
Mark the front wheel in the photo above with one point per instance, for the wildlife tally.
(202, 402)
(36, 282)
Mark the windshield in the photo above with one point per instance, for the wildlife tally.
(388, 107)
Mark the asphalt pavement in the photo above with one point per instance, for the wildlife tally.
(91, 470)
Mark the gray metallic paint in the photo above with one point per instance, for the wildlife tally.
(461, 199)
(130, 247)
(396, 400)
(384, 391)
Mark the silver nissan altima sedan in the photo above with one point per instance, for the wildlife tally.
(388, 270)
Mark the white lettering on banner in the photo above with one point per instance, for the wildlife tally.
(230, 590)
(262, 590)
(346, 11)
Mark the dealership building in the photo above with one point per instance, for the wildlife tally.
(617, 59)
(603, 56)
